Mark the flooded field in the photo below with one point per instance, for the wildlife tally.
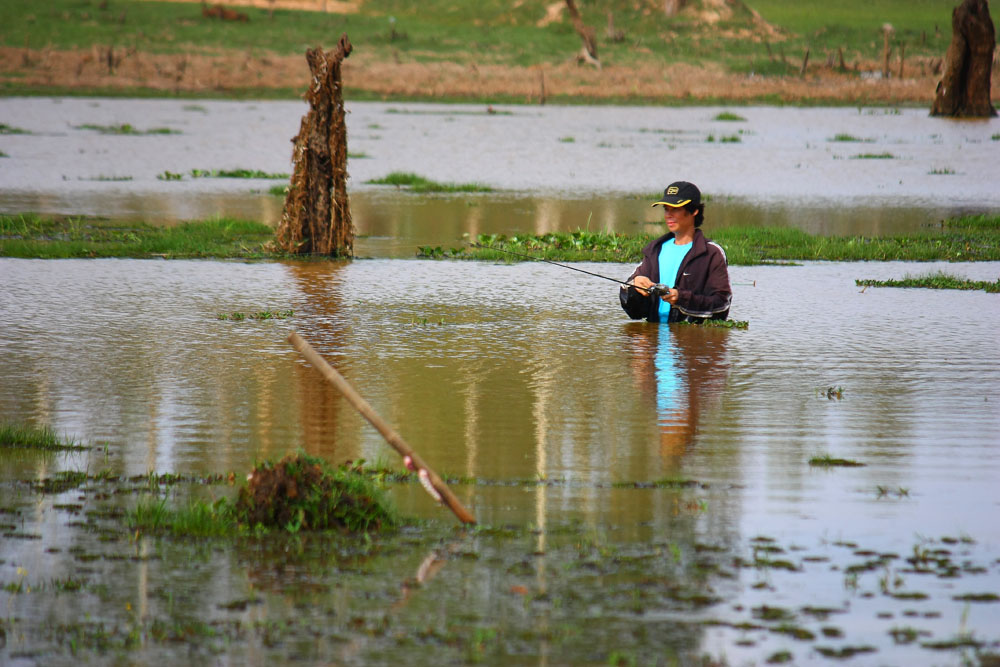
(645, 494)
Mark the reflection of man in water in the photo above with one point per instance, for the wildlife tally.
(682, 369)
(683, 260)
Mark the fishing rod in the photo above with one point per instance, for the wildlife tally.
(656, 290)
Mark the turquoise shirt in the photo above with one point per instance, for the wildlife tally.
(671, 256)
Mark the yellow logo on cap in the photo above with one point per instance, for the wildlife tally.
(672, 190)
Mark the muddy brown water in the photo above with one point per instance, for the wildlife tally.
(645, 492)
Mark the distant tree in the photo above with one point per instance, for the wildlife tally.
(964, 90)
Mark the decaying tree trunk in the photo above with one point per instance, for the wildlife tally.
(317, 217)
(964, 90)
(589, 52)
(671, 7)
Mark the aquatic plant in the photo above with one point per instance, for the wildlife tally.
(728, 116)
(236, 173)
(844, 137)
(7, 129)
(259, 315)
(420, 184)
(124, 129)
(944, 171)
(34, 437)
(873, 156)
(301, 492)
(567, 140)
(827, 461)
(730, 139)
(170, 176)
(939, 280)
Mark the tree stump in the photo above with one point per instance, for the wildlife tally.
(964, 90)
(316, 219)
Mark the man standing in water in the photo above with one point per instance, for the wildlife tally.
(693, 267)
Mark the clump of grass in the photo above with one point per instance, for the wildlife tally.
(170, 176)
(728, 116)
(944, 171)
(2, 154)
(8, 129)
(716, 324)
(195, 519)
(278, 190)
(845, 137)
(827, 461)
(236, 173)
(939, 280)
(873, 156)
(103, 178)
(34, 437)
(301, 492)
(730, 139)
(420, 184)
(125, 129)
(259, 315)
(567, 140)
(194, 107)
(996, 137)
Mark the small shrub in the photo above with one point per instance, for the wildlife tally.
(303, 493)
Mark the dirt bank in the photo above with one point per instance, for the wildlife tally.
(129, 71)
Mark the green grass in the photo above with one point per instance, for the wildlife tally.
(844, 137)
(7, 129)
(32, 236)
(874, 156)
(417, 183)
(938, 280)
(24, 436)
(728, 116)
(491, 31)
(973, 238)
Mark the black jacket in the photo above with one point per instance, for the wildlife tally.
(702, 283)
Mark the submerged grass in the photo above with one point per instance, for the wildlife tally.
(236, 173)
(34, 437)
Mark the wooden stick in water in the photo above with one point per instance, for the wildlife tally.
(413, 461)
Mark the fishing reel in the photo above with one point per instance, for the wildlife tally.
(658, 290)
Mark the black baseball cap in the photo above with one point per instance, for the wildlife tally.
(680, 193)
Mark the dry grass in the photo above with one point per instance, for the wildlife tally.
(227, 72)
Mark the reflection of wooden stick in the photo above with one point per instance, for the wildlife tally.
(390, 435)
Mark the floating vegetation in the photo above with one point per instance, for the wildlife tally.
(827, 461)
(34, 437)
(2, 154)
(831, 393)
(728, 116)
(236, 173)
(844, 652)
(945, 171)
(874, 156)
(715, 324)
(125, 129)
(357, 156)
(843, 137)
(977, 597)
(194, 107)
(730, 139)
(420, 184)
(259, 315)
(940, 280)
(300, 492)
(437, 252)
(170, 176)
(567, 140)
(7, 129)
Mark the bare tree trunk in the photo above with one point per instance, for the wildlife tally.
(671, 7)
(964, 90)
(317, 215)
(586, 34)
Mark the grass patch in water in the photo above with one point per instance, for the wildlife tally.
(847, 138)
(125, 129)
(300, 492)
(729, 116)
(827, 461)
(260, 315)
(940, 280)
(874, 156)
(420, 184)
(236, 173)
(34, 437)
(7, 129)
(971, 238)
(33, 236)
